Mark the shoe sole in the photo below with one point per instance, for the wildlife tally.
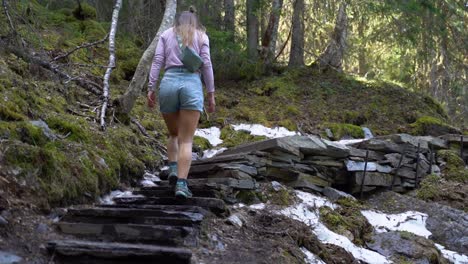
(172, 179)
(182, 196)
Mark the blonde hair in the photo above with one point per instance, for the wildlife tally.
(187, 24)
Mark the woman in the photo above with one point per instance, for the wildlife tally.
(181, 93)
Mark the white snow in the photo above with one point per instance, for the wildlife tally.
(147, 183)
(212, 152)
(260, 130)
(350, 141)
(259, 206)
(149, 179)
(108, 199)
(307, 212)
(310, 257)
(453, 256)
(414, 222)
(213, 135)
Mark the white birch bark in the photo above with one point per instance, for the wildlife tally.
(111, 66)
(126, 102)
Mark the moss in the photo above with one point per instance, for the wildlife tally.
(455, 167)
(427, 124)
(72, 127)
(10, 115)
(429, 188)
(340, 130)
(288, 124)
(201, 143)
(282, 197)
(347, 219)
(247, 196)
(31, 134)
(84, 11)
(406, 235)
(232, 138)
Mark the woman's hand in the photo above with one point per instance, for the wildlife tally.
(211, 103)
(151, 99)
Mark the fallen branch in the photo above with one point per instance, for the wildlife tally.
(83, 46)
(7, 14)
(113, 29)
(140, 127)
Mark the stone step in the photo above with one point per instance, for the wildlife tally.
(216, 183)
(168, 191)
(171, 235)
(90, 252)
(177, 208)
(217, 206)
(133, 216)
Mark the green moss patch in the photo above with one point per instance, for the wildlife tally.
(341, 130)
(455, 167)
(232, 138)
(429, 188)
(428, 125)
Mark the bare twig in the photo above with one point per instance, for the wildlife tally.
(7, 14)
(83, 46)
(142, 128)
(113, 29)
(284, 45)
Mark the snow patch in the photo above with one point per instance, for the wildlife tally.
(212, 134)
(453, 256)
(414, 222)
(310, 257)
(212, 152)
(259, 206)
(307, 212)
(259, 130)
(109, 199)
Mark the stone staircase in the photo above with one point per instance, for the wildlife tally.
(150, 227)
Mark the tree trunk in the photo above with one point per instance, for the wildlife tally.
(229, 17)
(252, 28)
(110, 67)
(268, 50)
(362, 70)
(125, 102)
(334, 52)
(296, 56)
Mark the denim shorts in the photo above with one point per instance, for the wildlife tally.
(180, 89)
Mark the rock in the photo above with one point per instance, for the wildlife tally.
(406, 246)
(282, 144)
(371, 166)
(361, 153)
(394, 159)
(406, 172)
(45, 129)
(234, 220)
(436, 142)
(313, 145)
(329, 133)
(448, 225)
(42, 228)
(436, 170)
(375, 179)
(367, 133)
(334, 194)
(8, 258)
(3, 222)
(407, 139)
(277, 186)
(381, 145)
(308, 182)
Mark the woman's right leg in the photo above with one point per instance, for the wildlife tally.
(172, 120)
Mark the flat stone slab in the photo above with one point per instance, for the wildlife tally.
(453, 138)
(281, 144)
(77, 250)
(371, 166)
(380, 145)
(166, 191)
(213, 204)
(216, 183)
(127, 232)
(375, 179)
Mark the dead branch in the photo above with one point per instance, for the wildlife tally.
(7, 14)
(83, 46)
(113, 30)
(284, 46)
(140, 127)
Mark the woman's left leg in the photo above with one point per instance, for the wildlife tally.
(188, 121)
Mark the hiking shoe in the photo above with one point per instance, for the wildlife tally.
(172, 178)
(182, 190)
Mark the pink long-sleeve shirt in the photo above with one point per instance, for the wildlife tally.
(168, 52)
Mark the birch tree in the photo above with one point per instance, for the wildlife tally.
(111, 65)
(126, 102)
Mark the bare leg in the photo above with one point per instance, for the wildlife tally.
(188, 121)
(172, 120)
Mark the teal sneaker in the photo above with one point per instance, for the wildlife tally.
(172, 178)
(182, 190)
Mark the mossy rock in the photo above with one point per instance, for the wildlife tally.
(232, 138)
(429, 188)
(73, 128)
(341, 130)
(247, 196)
(201, 143)
(455, 167)
(428, 125)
